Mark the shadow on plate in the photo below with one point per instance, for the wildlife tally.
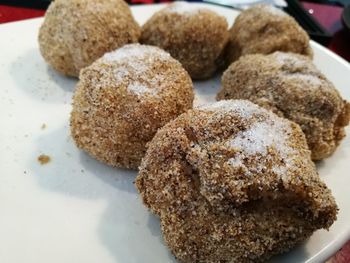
(73, 172)
(142, 242)
(125, 225)
(297, 254)
(320, 164)
(206, 90)
(34, 77)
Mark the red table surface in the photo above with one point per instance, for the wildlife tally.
(328, 16)
(10, 13)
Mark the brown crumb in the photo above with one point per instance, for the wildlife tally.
(43, 126)
(44, 159)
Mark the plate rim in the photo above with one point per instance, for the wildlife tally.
(331, 248)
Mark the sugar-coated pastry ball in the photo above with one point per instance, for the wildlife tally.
(77, 32)
(233, 182)
(264, 29)
(291, 86)
(123, 98)
(194, 35)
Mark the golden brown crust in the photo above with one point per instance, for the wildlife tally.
(232, 182)
(291, 86)
(265, 29)
(195, 36)
(123, 98)
(77, 32)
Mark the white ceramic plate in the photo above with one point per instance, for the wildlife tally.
(75, 209)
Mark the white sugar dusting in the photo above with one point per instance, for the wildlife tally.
(267, 132)
(235, 162)
(183, 8)
(121, 73)
(271, 133)
(140, 89)
(313, 81)
(243, 108)
(136, 61)
(255, 140)
(132, 52)
(281, 170)
(288, 58)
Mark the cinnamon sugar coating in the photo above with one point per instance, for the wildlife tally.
(77, 32)
(194, 35)
(291, 86)
(265, 29)
(233, 182)
(123, 98)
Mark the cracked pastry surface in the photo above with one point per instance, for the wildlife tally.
(291, 86)
(233, 182)
(77, 32)
(194, 35)
(123, 98)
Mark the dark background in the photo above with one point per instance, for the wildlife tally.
(42, 4)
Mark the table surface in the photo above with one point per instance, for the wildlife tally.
(328, 16)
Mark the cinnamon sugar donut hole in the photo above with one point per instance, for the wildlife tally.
(194, 35)
(77, 32)
(123, 98)
(264, 29)
(233, 182)
(291, 86)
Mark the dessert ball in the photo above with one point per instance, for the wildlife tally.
(291, 86)
(233, 182)
(123, 98)
(264, 29)
(192, 34)
(77, 32)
